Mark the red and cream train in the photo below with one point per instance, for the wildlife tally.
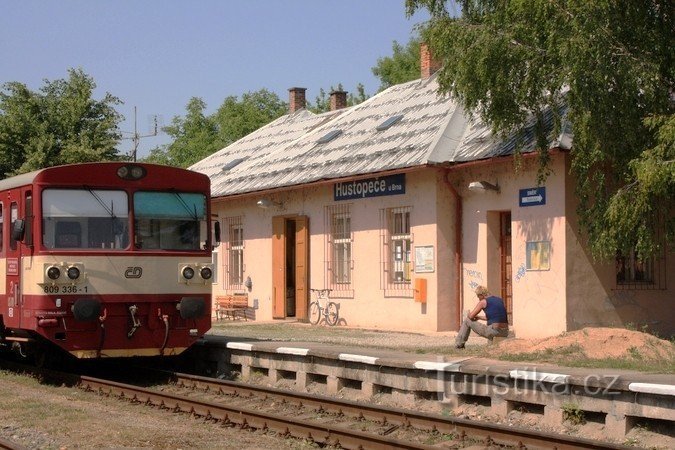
(105, 260)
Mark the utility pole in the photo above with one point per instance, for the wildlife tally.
(136, 137)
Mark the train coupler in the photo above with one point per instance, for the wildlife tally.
(133, 309)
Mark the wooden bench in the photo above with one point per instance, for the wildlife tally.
(231, 306)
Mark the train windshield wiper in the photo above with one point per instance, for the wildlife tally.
(111, 210)
(192, 213)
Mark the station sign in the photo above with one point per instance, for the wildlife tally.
(370, 187)
(532, 196)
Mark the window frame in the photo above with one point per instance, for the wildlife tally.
(339, 250)
(396, 255)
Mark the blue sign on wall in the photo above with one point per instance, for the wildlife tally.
(370, 187)
(532, 196)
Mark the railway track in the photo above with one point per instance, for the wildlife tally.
(325, 420)
(437, 428)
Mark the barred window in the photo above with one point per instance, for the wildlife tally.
(339, 263)
(633, 272)
(233, 275)
(396, 257)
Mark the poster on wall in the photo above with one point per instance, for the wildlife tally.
(424, 259)
(538, 255)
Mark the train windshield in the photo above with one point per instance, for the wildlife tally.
(170, 220)
(85, 219)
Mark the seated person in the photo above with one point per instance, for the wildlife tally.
(495, 314)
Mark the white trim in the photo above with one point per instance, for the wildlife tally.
(293, 351)
(652, 388)
(438, 366)
(358, 358)
(539, 376)
(240, 346)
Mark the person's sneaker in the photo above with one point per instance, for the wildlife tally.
(459, 345)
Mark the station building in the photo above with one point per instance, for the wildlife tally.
(402, 205)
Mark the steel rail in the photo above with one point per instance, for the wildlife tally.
(10, 445)
(498, 434)
(244, 417)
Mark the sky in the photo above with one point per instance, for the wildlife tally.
(156, 55)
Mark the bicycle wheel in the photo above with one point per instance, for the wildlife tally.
(314, 313)
(332, 315)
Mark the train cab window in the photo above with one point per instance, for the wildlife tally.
(170, 221)
(85, 219)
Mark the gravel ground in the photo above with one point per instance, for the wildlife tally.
(439, 342)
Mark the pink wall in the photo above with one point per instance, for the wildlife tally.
(431, 203)
(572, 292)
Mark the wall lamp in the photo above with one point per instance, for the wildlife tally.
(266, 203)
(482, 186)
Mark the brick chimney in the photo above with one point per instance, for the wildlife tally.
(296, 99)
(338, 100)
(427, 62)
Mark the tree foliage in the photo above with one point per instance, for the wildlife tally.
(322, 102)
(198, 135)
(237, 118)
(402, 66)
(194, 137)
(610, 62)
(60, 124)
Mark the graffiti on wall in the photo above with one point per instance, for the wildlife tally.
(474, 278)
(520, 273)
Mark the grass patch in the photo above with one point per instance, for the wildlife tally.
(573, 414)
(572, 356)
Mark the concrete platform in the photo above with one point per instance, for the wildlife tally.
(618, 398)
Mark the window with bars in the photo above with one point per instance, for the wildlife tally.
(339, 263)
(633, 272)
(396, 252)
(636, 273)
(233, 258)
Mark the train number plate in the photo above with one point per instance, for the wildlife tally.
(69, 289)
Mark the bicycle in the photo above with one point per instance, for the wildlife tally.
(323, 307)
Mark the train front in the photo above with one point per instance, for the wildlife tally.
(124, 262)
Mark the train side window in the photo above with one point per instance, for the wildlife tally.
(14, 215)
(28, 240)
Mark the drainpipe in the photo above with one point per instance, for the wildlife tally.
(458, 244)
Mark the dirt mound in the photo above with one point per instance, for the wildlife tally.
(597, 343)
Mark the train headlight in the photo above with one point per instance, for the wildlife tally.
(131, 172)
(188, 273)
(73, 273)
(53, 273)
(206, 273)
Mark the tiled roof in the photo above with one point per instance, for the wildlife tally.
(286, 152)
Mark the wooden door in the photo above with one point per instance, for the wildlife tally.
(278, 267)
(506, 265)
(301, 267)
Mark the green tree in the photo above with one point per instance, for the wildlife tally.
(402, 66)
(611, 63)
(322, 102)
(60, 124)
(195, 137)
(198, 135)
(237, 118)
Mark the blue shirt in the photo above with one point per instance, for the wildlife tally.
(495, 310)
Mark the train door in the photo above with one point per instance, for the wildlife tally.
(13, 250)
(290, 268)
